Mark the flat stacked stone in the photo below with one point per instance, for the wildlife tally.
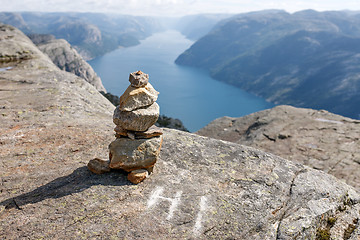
(153, 131)
(138, 141)
(137, 120)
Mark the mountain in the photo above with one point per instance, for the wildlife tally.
(319, 139)
(67, 58)
(14, 19)
(305, 59)
(54, 122)
(91, 34)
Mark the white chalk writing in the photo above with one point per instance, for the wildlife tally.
(156, 195)
(198, 221)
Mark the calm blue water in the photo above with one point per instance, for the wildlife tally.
(185, 93)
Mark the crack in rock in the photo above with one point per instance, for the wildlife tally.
(288, 200)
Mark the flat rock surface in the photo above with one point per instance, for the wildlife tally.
(319, 139)
(201, 188)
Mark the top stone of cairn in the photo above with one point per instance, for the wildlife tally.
(138, 79)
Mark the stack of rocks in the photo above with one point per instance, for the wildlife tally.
(138, 141)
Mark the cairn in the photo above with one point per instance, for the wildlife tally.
(138, 141)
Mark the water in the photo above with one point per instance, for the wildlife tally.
(5, 69)
(186, 93)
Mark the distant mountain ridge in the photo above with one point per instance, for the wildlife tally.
(305, 59)
(197, 26)
(92, 34)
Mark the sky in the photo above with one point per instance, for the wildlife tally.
(174, 7)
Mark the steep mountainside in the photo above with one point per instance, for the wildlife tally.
(53, 122)
(67, 58)
(306, 59)
(318, 139)
(92, 34)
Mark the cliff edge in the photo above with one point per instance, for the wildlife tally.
(54, 122)
(319, 139)
(67, 58)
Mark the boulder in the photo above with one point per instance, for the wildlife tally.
(129, 154)
(138, 120)
(134, 98)
(138, 79)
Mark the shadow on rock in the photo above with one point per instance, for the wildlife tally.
(77, 181)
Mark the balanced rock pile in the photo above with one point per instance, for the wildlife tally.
(138, 141)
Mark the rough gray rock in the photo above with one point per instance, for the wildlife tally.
(68, 59)
(138, 79)
(138, 120)
(319, 139)
(132, 154)
(201, 188)
(134, 98)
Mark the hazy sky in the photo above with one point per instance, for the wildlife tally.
(174, 7)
